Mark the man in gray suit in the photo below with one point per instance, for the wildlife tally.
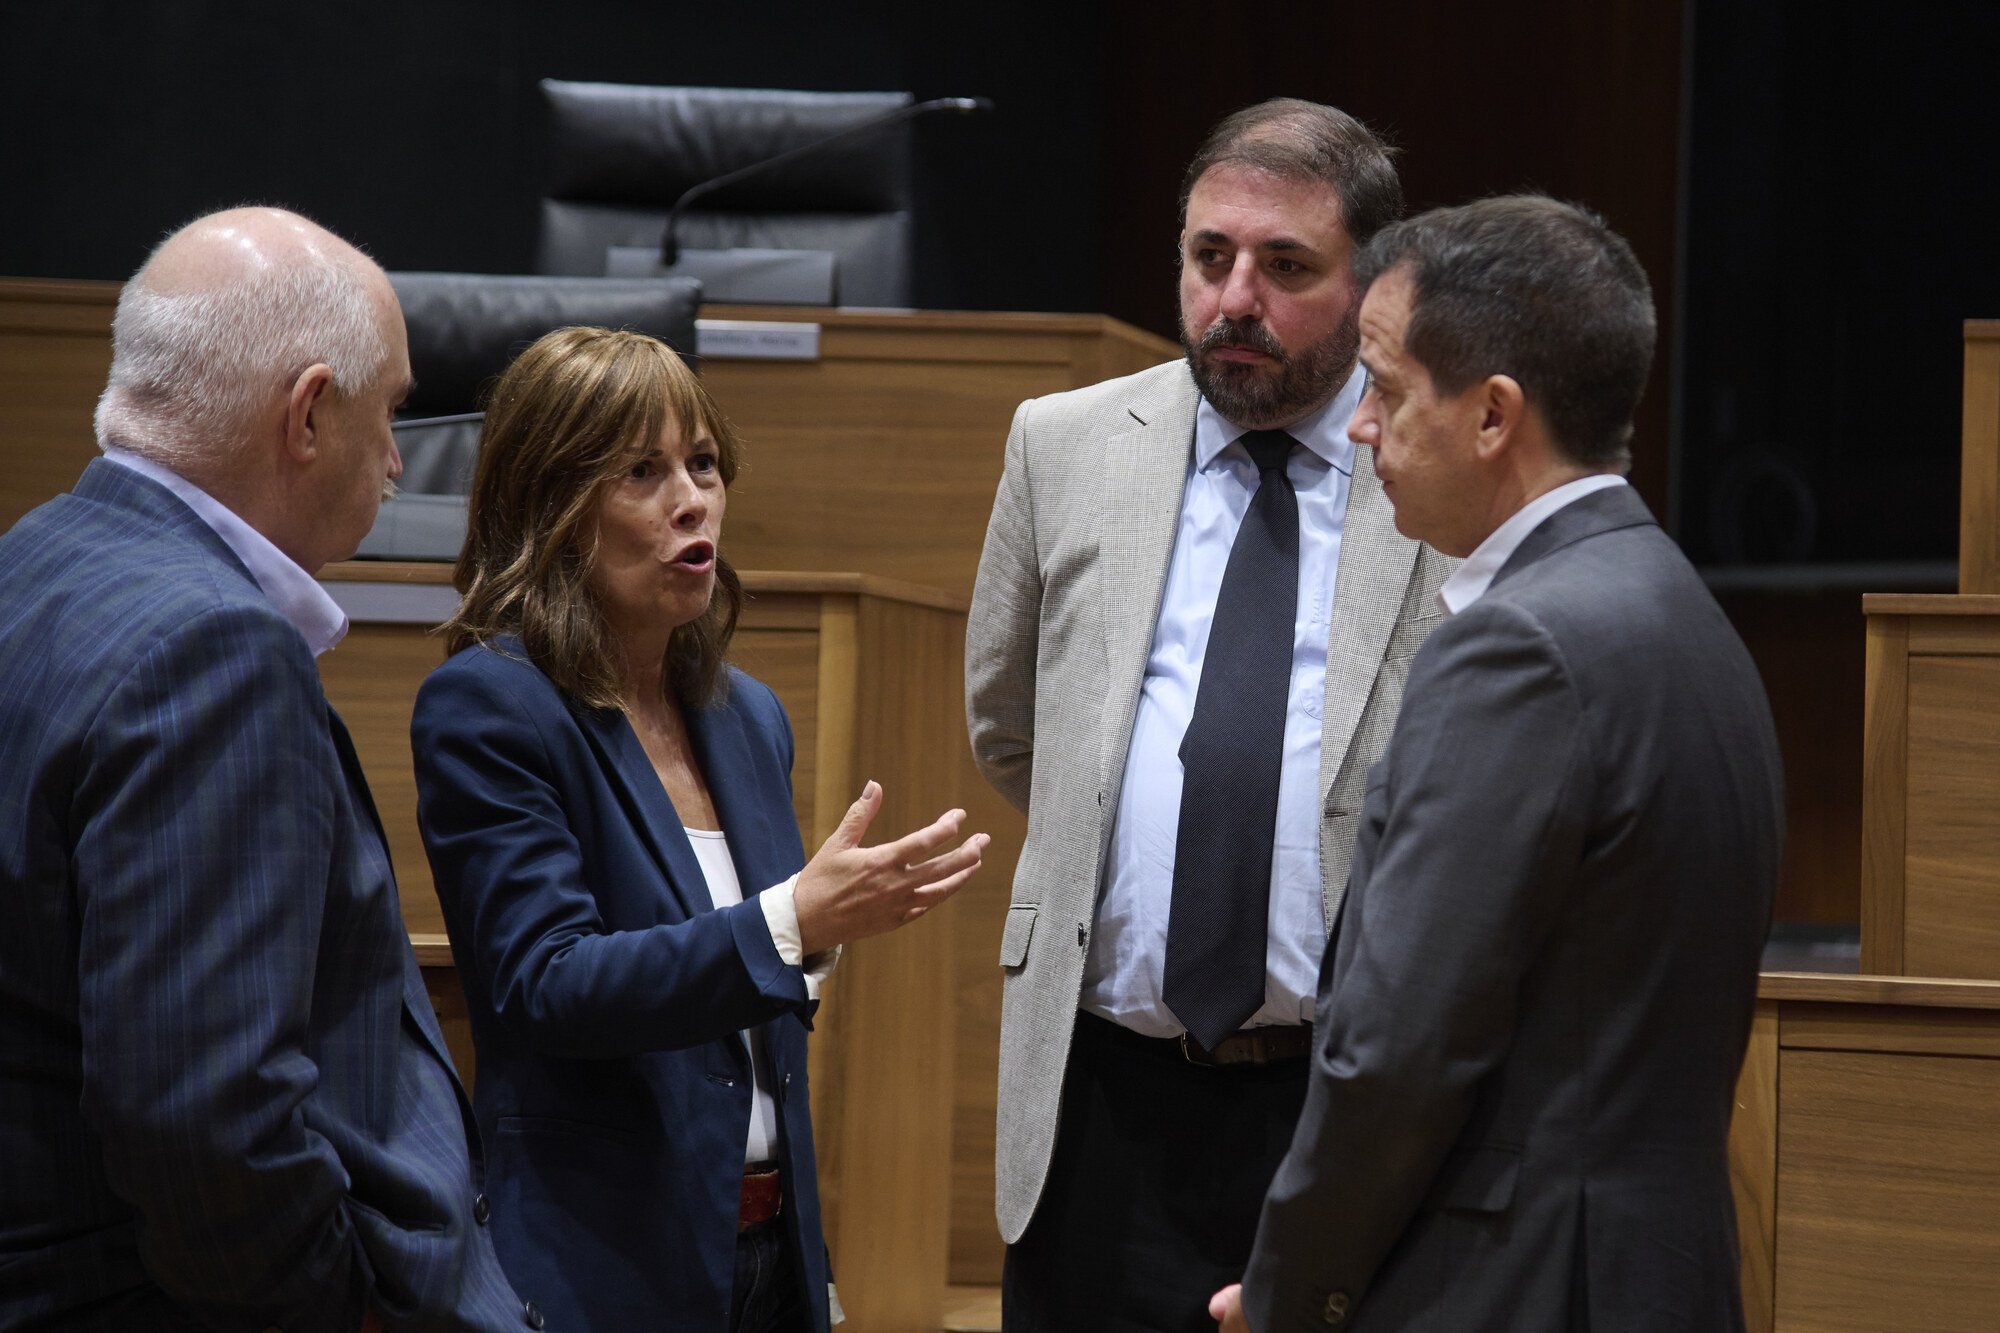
(1190, 632)
(1541, 982)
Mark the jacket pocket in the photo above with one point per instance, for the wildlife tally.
(1014, 939)
(1409, 635)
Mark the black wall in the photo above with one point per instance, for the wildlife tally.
(1810, 185)
(416, 128)
(1843, 186)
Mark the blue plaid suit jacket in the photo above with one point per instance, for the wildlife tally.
(224, 1101)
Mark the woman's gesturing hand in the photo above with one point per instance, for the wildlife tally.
(849, 892)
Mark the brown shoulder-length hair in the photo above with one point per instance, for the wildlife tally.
(564, 421)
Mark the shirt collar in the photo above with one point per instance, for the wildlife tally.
(1324, 432)
(297, 595)
(1469, 582)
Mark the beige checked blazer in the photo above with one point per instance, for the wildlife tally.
(1061, 627)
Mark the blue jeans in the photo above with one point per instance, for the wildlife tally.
(768, 1298)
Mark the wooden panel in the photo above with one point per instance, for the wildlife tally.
(54, 356)
(1888, 1193)
(1951, 895)
(1891, 1030)
(1955, 636)
(1910, 992)
(1930, 604)
(1753, 1169)
(883, 1052)
(1979, 462)
(372, 679)
(788, 661)
(1885, 729)
(888, 467)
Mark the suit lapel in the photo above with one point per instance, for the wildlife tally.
(724, 755)
(1145, 473)
(1368, 592)
(653, 814)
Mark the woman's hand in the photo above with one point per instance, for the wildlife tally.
(849, 892)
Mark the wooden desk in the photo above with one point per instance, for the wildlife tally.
(881, 457)
(1930, 835)
(869, 672)
(1865, 1156)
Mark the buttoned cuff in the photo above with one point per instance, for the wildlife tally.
(781, 914)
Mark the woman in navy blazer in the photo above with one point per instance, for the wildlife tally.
(607, 808)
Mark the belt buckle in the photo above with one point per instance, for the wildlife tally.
(1194, 1053)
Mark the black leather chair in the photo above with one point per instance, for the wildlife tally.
(464, 328)
(622, 154)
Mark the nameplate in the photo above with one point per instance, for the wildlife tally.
(756, 340)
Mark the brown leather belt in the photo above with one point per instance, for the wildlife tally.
(1252, 1046)
(763, 1195)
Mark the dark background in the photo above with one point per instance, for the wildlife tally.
(1828, 168)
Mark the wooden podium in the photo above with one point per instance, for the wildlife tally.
(1865, 1150)
(869, 671)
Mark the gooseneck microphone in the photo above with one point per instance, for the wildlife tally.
(670, 248)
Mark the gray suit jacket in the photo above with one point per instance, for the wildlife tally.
(1062, 624)
(1538, 993)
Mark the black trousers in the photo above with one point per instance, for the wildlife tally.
(768, 1297)
(1153, 1195)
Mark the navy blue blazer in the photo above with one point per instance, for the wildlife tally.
(607, 992)
(224, 1099)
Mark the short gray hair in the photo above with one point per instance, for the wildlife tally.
(188, 368)
(1541, 291)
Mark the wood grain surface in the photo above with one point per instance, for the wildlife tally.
(1753, 1169)
(1979, 464)
(1888, 1192)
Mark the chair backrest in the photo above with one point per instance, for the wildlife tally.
(622, 154)
(465, 327)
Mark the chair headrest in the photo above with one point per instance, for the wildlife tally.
(645, 146)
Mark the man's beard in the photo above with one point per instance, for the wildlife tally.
(1254, 397)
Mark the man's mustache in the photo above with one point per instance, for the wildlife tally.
(1241, 333)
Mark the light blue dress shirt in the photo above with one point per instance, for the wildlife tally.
(296, 594)
(1128, 950)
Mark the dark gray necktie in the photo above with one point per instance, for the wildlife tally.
(1230, 761)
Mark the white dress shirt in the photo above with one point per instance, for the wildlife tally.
(725, 889)
(1128, 951)
(1469, 582)
(296, 594)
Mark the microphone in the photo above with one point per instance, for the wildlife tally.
(670, 248)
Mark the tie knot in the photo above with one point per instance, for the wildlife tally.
(1268, 449)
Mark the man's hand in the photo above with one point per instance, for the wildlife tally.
(1226, 1309)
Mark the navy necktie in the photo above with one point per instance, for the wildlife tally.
(1230, 760)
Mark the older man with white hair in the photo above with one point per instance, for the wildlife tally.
(224, 1101)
